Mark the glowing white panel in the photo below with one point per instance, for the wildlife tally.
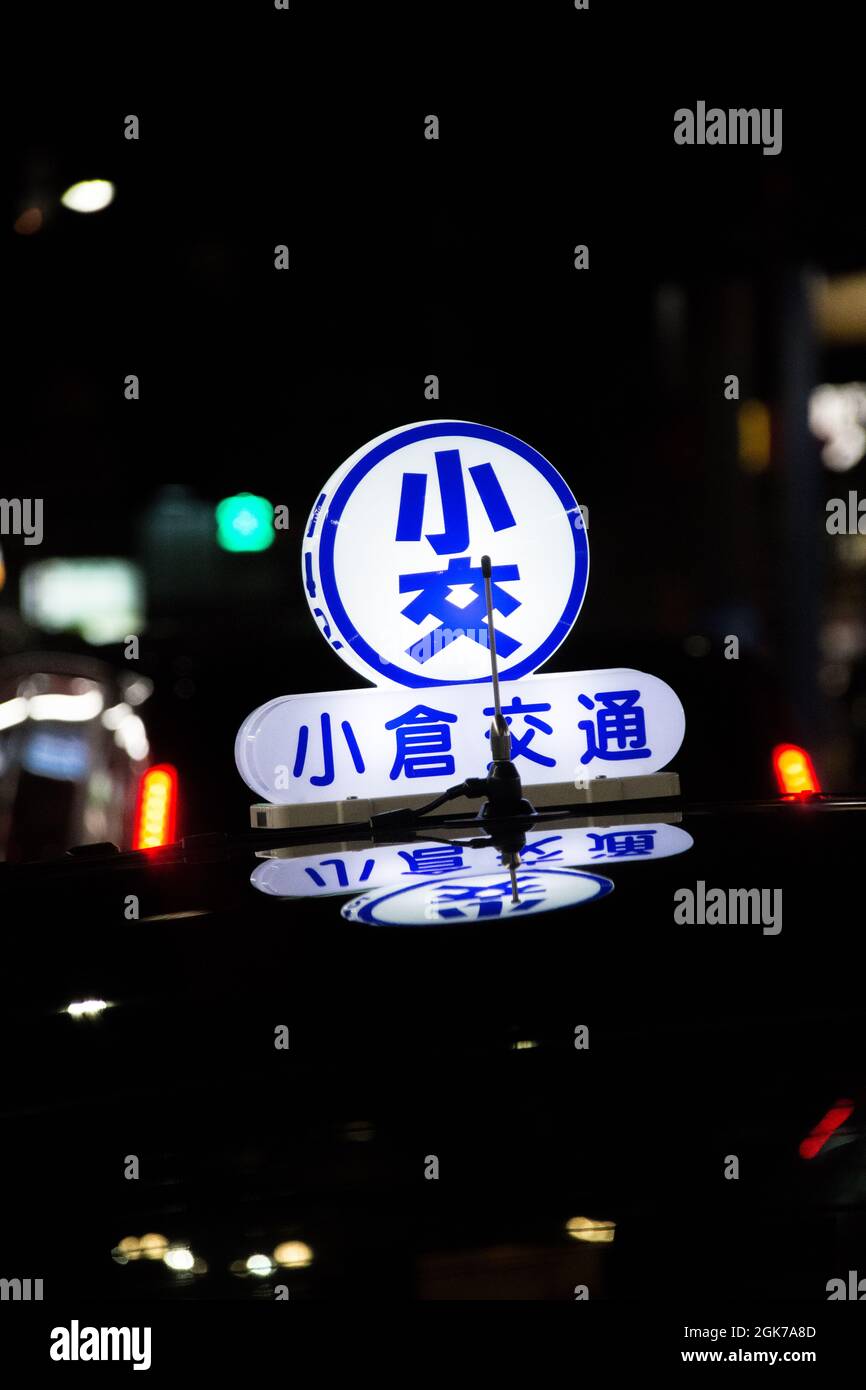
(392, 552)
(67, 709)
(102, 599)
(372, 743)
(13, 712)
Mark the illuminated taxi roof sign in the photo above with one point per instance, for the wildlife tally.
(392, 554)
(393, 561)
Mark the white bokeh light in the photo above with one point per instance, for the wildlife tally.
(91, 195)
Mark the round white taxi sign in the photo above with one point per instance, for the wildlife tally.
(392, 556)
(476, 899)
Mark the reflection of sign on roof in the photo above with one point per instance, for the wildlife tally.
(345, 871)
(393, 546)
(482, 899)
(374, 743)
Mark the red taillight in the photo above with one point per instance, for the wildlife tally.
(817, 1138)
(156, 810)
(794, 770)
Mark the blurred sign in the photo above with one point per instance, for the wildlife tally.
(485, 899)
(837, 415)
(393, 546)
(101, 599)
(350, 871)
(60, 754)
(375, 743)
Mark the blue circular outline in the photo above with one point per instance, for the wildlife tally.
(359, 470)
(607, 886)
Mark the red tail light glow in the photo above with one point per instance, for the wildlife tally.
(156, 810)
(794, 770)
(817, 1138)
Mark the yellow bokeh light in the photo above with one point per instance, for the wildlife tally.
(591, 1232)
(293, 1254)
(129, 1248)
(153, 1246)
(754, 436)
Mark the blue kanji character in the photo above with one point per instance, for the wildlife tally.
(488, 898)
(452, 490)
(540, 855)
(433, 859)
(620, 721)
(341, 872)
(423, 743)
(326, 777)
(434, 600)
(616, 843)
(520, 743)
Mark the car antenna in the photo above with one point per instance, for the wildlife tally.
(501, 788)
(504, 789)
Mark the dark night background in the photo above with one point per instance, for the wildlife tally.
(455, 258)
(411, 257)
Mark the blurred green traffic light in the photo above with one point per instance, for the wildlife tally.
(245, 522)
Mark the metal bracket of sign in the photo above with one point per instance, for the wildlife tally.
(593, 791)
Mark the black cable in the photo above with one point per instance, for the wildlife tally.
(404, 815)
(451, 795)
